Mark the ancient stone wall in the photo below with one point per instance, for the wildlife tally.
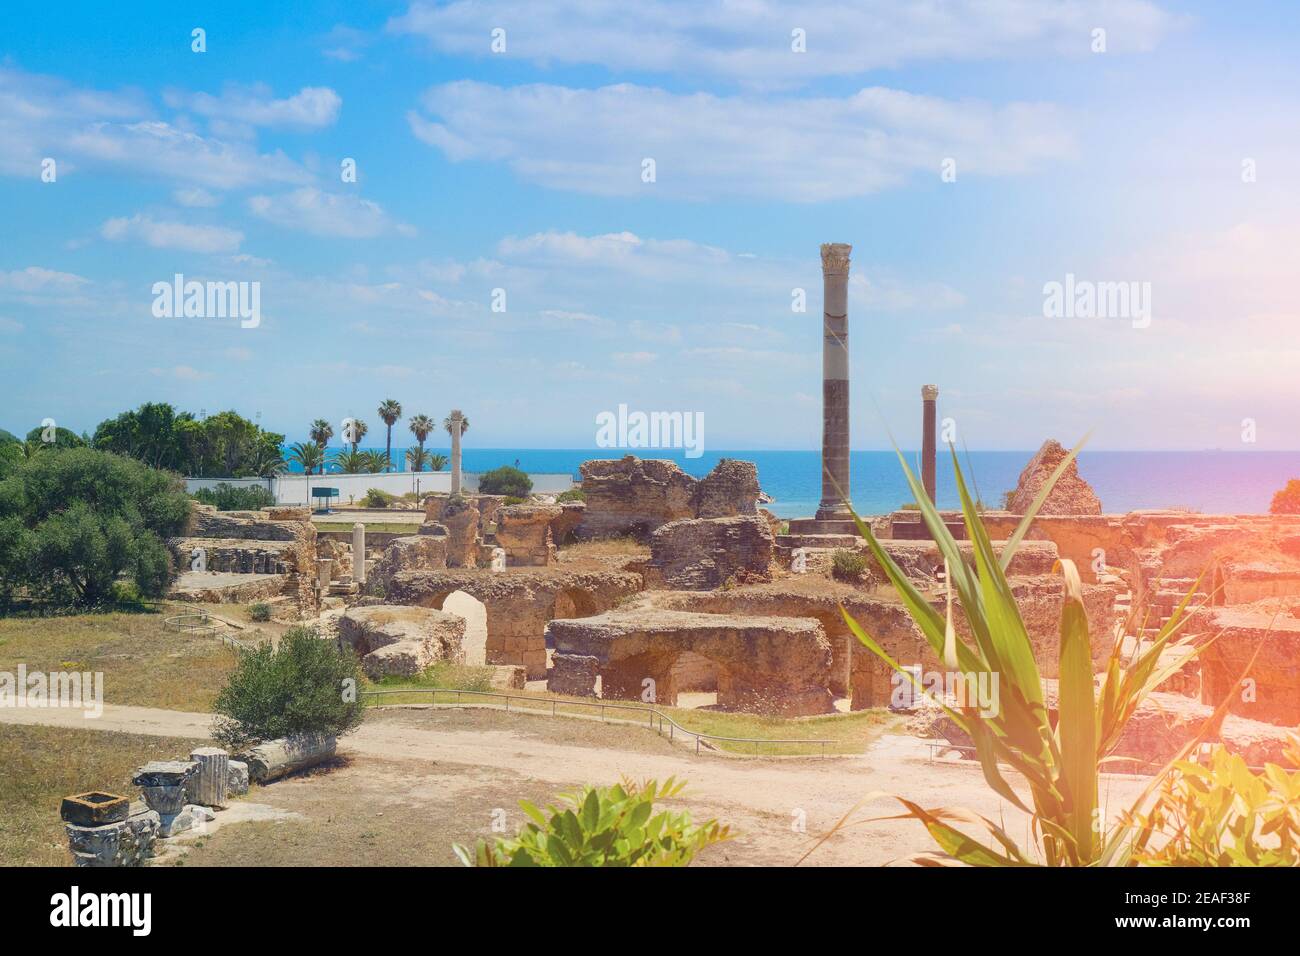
(1071, 495)
(285, 540)
(635, 496)
(730, 489)
(699, 554)
(401, 640)
(524, 533)
(418, 552)
(518, 602)
(765, 665)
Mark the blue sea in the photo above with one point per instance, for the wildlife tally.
(1207, 481)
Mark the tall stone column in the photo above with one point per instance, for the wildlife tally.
(835, 382)
(929, 393)
(456, 418)
(359, 553)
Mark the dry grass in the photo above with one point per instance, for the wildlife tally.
(605, 550)
(143, 663)
(848, 733)
(39, 766)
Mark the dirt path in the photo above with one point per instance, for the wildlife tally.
(779, 805)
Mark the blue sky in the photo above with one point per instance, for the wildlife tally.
(521, 171)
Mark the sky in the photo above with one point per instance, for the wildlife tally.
(562, 208)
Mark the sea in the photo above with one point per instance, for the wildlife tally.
(1212, 482)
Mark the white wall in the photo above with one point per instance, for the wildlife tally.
(296, 489)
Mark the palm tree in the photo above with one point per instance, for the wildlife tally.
(321, 432)
(350, 462)
(417, 458)
(421, 426)
(309, 455)
(437, 462)
(267, 462)
(390, 410)
(373, 462)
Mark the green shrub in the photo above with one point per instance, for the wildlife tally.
(227, 497)
(377, 498)
(602, 826)
(307, 685)
(514, 500)
(1219, 812)
(260, 612)
(848, 565)
(573, 494)
(506, 480)
(74, 522)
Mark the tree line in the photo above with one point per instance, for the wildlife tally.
(227, 445)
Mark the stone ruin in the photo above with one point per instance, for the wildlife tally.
(635, 496)
(1071, 495)
(179, 798)
(765, 665)
(397, 640)
(243, 556)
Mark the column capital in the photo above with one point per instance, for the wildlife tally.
(835, 258)
(929, 392)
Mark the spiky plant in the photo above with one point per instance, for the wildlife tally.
(309, 455)
(417, 458)
(351, 462)
(437, 462)
(1058, 762)
(372, 462)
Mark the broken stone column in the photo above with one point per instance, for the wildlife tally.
(359, 553)
(929, 393)
(125, 842)
(237, 777)
(835, 382)
(165, 785)
(278, 758)
(208, 785)
(324, 571)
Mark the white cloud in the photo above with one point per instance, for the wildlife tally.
(195, 197)
(183, 373)
(43, 116)
(38, 279)
(751, 41)
(623, 251)
(172, 235)
(9, 325)
(634, 358)
(312, 107)
(880, 292)
(327, 214)
(709, 147)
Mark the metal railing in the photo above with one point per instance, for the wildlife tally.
(200, 622)
(656, 719)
